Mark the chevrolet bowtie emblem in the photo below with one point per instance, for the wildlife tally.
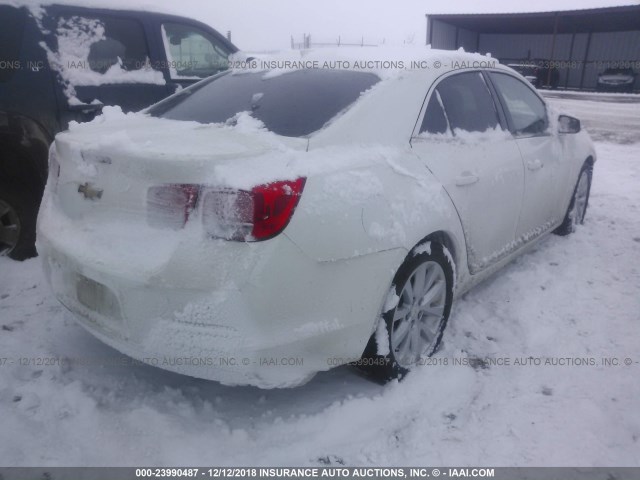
(89, 191)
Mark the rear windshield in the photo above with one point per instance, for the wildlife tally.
(292, 104)
(617, 71)
(523, 69)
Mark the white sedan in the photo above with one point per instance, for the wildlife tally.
(261, 226)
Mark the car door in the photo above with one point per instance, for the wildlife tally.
(546, 172)
(192, 52)
(102, 58)
(462, 141)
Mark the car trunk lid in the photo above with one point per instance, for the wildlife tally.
(106, 170)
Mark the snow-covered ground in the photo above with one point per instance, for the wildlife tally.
(612, 117)
(570, 298)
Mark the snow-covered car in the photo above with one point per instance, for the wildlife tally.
(261, 226)
(617, 80)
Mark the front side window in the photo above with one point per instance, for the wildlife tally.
(527, 111)
(193, 53)
(292, 104)
(468, 103)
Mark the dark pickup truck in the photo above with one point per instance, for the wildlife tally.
(61, 63)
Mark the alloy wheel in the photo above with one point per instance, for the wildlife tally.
(418, 317)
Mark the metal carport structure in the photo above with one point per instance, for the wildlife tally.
(581, 43)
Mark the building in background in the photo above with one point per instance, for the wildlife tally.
(577, 49)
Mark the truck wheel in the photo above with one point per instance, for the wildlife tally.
(18, 212)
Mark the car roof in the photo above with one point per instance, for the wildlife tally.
(384, 61)
(400, 94)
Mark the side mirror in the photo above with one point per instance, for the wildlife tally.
(567, 124)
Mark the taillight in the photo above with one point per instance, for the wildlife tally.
(241, 215)
(228, 213)
(169, 206)
(258, 214)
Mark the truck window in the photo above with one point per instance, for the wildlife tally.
(11, 29)
(192, 53)
(99, 42)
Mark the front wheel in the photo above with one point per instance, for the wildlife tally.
(579, 202)
(417, 311)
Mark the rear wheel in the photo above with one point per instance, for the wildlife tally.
(579, 202)
(416, 316)
(18, 214)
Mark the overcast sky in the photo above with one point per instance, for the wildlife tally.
(262, 25)
(269, 24)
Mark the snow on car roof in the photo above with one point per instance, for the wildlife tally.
(384, 61)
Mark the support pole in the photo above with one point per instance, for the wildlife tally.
(429, 30)
(573, 41)
(553, 48)
(584, 63)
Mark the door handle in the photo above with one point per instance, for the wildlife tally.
(534, 165)
(466, 179)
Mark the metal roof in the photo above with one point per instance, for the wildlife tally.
(607, 19)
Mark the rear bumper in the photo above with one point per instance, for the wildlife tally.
(262, 314)
(205, 334)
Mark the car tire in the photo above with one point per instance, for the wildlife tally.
(18, 213)
(412, 330)
(579, 202)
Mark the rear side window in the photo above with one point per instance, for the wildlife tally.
(435, 120)
(468, 103)
(618, 71)
(124, 42)
(11, 28)
(99, 42)
(527, 111)
(94, 49)
(292, 104)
